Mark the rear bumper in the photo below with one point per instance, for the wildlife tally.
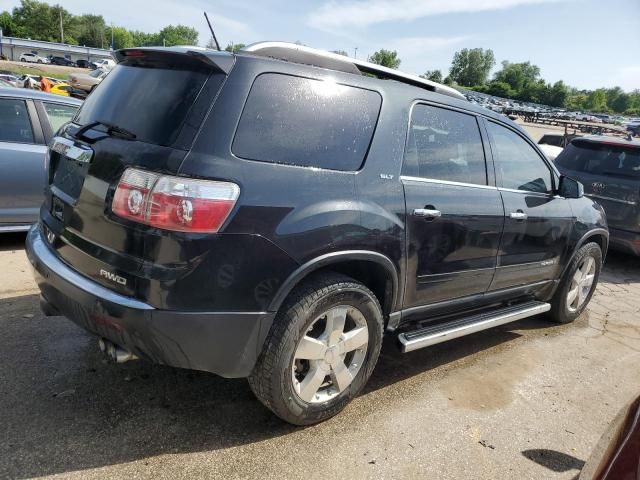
(225, 343)
(624, 241)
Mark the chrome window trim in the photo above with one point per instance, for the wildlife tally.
(446, 182)
(611, 199)
(528, 192)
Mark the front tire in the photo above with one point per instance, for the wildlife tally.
(577, 285)
(321, 350)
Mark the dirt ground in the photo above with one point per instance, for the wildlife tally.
(56, 71)
(523, 401)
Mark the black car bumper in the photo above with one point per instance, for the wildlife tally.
(225, 343)
(625, 241)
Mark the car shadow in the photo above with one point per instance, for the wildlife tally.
(553, 460)
(12, 241)
(63, 408)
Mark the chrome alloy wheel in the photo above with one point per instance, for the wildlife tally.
(581, 284)
(330, 354)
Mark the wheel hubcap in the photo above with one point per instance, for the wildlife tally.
(329, 356)
(581, 284)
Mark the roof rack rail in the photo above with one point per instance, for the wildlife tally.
(295, 53)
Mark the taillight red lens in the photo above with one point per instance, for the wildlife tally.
(132, 195)
(175, 203)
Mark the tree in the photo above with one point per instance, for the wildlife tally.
(433, 75)
(178, 35)
(597, 101)
(558, 94)
(6, 24)
(471, 66)
(499, 89)
(517, 75)
(234, 47)
(91, 31)
(122, 38)
(386, 58)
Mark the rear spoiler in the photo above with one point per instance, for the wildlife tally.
(221, 61)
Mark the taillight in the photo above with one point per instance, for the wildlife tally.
(174, 203)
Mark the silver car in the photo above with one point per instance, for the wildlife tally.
(28, 120)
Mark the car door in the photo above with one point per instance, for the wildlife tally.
(22, 162)
(454, 216)
(538, 223)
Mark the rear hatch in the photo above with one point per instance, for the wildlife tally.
(610, 172)
(145, 113)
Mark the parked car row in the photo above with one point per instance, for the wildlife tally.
(104, 63)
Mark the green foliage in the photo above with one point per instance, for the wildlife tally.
(499, 89)
(471, 66)
(233, 47)
(41, 21)
(122, 38)
(518, 75)
(386, 58)
(172, 35)
(433, 75)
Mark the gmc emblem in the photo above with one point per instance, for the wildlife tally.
(113, 277)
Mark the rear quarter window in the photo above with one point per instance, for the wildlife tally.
(304, 122)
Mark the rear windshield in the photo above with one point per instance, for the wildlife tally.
(601, 159)
(555, 140)
(149, 101)
(305, 122)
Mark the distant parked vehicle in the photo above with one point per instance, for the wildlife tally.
(557, 139)
(550, 151)
(104, 64)
(28, 121)
(33, 58)
(82, 64)
(87, 81)
(61, 61)
(609, 168)
(11, 79)
(62, 88)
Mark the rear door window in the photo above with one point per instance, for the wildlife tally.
(311, 123)
(601, 159)
(15, 125)
(517, 163)
(150, 100)
(444, 145)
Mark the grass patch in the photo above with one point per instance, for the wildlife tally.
(33, 69)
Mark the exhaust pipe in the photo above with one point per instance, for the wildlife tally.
(47, 309)
(114, 353)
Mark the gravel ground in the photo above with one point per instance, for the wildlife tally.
(527, 400)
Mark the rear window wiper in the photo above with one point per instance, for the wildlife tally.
(111, 130)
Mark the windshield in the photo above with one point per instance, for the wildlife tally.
(96, 73)
(601, 159)
(150, 102)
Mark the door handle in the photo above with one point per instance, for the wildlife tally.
(427, 213)
(519, 215)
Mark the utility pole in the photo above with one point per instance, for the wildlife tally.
(61, 28)
(0, 42)
(355, 52)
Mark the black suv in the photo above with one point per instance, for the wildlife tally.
(609, 167)
(271, 214)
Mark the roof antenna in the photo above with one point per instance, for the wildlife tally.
(212, 33)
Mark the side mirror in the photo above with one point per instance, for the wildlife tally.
(570, 188)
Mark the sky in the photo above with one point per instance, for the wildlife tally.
(586, 43)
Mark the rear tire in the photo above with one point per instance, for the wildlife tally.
(577, 285)
(321, 350)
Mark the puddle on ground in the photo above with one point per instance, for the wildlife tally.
(489, 385)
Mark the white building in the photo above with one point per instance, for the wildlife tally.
(12, 48)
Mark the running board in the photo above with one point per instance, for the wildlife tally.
(431, 335)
